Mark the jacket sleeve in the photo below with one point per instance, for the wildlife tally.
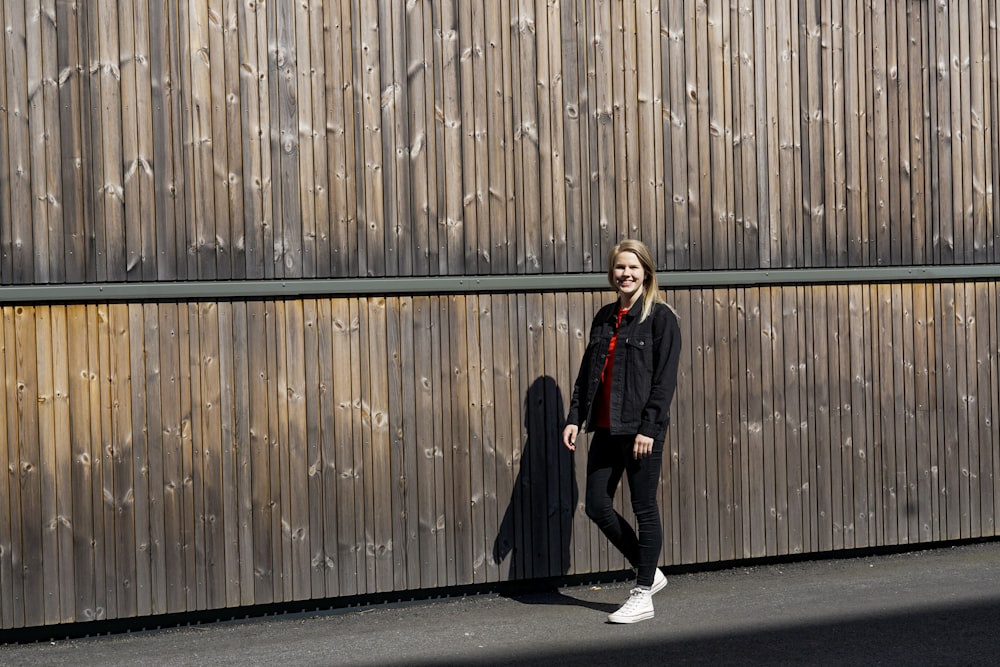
(666, 359)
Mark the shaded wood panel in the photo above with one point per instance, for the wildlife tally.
(171, 457)
(232, 140)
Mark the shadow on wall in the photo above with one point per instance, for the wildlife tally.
(537, 528)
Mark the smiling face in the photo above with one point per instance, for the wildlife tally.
(629, 277)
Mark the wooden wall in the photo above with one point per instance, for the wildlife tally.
(175, 455)
(167, 457)
(224, 139)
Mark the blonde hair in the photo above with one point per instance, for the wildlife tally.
(650, 288)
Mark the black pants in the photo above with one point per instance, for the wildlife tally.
(610, 457)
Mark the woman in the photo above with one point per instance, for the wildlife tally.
(622, 394)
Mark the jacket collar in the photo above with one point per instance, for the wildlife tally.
(632, 312)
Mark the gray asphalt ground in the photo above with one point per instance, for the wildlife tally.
(933, 607)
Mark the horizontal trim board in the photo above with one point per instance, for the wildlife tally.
(281, 289)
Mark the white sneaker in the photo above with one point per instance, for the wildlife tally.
(638, 607)
(659, 581)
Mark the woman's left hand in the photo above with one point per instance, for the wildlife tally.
(643, 446)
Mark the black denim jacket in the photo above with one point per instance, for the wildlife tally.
(644, 375)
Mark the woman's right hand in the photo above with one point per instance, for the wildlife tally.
(569, 436)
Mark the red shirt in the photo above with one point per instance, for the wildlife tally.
(602, 402)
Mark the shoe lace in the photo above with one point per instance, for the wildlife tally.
(636, 598)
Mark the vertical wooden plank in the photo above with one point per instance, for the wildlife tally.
(171, 457)
(836, 137)
(768, 89)
(6, 221)
(325, 468)
(873, 412)
(685, 473)
(603, 162)
(444, 436)
(961, 123)
(428, 447)
(925, 482)
(744, 111)
(301, 91)
(19, 244)
(120, 526)
(855, 110)
(232, 440)
(298, 444)
(131, 158)
(968, 431)
(42, 457)
(395, 115)
(742, 429)
(258, 375)
(919, 107)
(580, 316)
(758, 497)
(469, 117)
(314, 431)
(573, 91)
(505, 547)
(74, 216)
(277, 493)
(859, 413)
(82, 464)
(139, 460)
(561, 460)
(420, 95)
(720, 133)
(253, 78)
(11, 588)
(102, 489)
(840, 415)
(285, 519)
(193, 498)
(548, 435)
(725, 439)
(489, 421)
(898, 66)
(945, 241)
(476, 439)
(782, 340)
(883, 147)
(527, 137)
(44, 141)
(25, 467)
(375, 410)
(952, 487)
(992, 309)
(907, 442)
(648, 105)
(156, 437)
(985, 418)
(890, 403)
(342, 331)
(549, 133)
(111, 218)
(706, 447)
(456, 366)
(815, 161)
(286, 153)
(407, 563)
(823, 408)
(247, 444)
(364, 490)
(368, 82)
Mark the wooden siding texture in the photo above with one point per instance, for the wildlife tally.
(166, 139)
(173, 456)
